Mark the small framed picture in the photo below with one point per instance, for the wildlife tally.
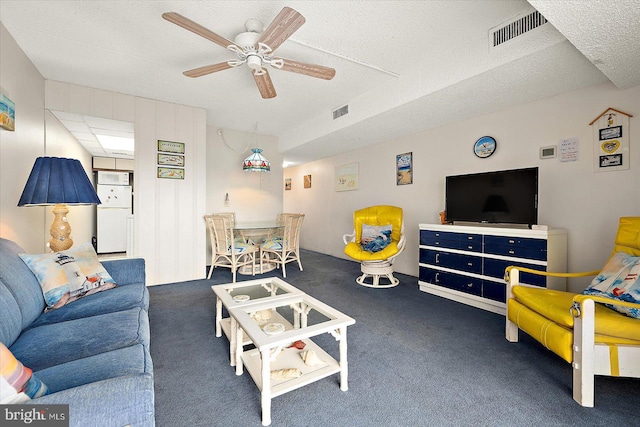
(170, 160)
(287, 184)
(171, 147)
(404, 169)
(307, 181)
(170, 173)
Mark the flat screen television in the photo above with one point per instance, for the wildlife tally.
(508, 197)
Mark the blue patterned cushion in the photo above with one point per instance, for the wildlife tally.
(68, 275)
(273, 244)
(241, 247)
(619, 280)
(375, 238)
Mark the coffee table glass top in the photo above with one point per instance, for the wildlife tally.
(252, 291)
(276, 322)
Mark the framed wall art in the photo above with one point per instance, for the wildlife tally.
(170, 160)
(287, 184)
(404, 169)
(170, 173)
(7, 113)
(171, 147)
(346, 177)
(307, 181)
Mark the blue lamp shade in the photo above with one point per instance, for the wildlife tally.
(56, 180)
(256, 162)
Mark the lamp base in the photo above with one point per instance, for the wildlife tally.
(60, 229)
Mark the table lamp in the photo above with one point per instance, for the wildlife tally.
(59, 182)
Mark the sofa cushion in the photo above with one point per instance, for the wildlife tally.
(68, 275)
(124, 361)
(21, 282)
(117, 299)
(120, 401)
(619, 280)
(49, 345)
(16, 378)
(10, 316)
(126, 271)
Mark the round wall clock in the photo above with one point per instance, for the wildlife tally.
(484, 147)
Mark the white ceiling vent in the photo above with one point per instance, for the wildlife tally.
(516, 27)
(342, 111)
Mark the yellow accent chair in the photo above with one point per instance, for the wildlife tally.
(596, 340)
(379, 264)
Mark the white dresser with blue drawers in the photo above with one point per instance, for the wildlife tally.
(466, 263)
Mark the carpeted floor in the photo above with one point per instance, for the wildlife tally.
(414, 360)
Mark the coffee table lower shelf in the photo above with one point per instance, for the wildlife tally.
(290, 358)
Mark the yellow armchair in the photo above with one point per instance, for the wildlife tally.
(593, 338)
(379, 264)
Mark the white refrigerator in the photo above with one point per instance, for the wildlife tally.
(114, 192)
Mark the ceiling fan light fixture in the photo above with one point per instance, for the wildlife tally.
(256, 162)
(254, 62)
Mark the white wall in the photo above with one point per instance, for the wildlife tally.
(24, 85)
(168, 229)
(60, 143)
(571, 195)
(252, 196)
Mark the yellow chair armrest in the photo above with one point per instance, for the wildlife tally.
(579, 298)
(546, 273)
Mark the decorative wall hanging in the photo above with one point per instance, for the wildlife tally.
(307, 181)
(7, 113)
(287, 184)
(569, 149)
(347, 177)
(611, 141)
(404, 169)
(484, 147)
(170, 154)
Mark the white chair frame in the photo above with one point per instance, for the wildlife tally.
(223, 246)
(290, 244)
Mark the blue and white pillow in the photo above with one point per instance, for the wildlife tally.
(375, 238)
(619, 280)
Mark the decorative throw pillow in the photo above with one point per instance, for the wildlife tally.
(69, 275)
(15, 378)
(619, 280)
(375, 238)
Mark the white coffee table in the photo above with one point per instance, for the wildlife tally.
(302, 317)
(230, 295)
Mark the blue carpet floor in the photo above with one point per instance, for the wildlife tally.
(414, 360)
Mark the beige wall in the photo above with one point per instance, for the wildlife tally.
(36, 134)
(571, 195)
(252, 196)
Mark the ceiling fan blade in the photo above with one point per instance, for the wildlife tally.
(198, 29)
(312, 70)
(285, 24)
(265, 85)
(207, 69)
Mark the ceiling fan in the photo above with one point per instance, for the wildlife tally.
(255, 48)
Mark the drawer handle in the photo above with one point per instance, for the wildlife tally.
(469, 238)
(437, 258)
(436, 278)
(469, 285)
(469, 247)
(470, 264)
(512, 252)
(512, 241)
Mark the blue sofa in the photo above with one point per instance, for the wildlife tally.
(92, 354)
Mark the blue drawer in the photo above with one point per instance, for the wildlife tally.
(458, 282)
(494, 291)
(443, 239)
(516, 247)
(468, 263)
(438, 238)
(495, 268)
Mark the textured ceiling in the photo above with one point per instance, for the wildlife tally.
(402, 66)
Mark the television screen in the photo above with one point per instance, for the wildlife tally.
(509, 197)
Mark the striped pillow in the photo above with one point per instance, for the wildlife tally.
(15, 378)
